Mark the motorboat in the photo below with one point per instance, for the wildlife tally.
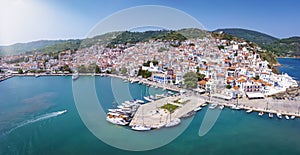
(203, 105)
(148, 99)
(197, 109)
(270, 115)
(249, 111)
(235, 107)
(140, 128)
(293, 117)
(287, 117)
(279, 115)
(75, 76)
(213, 106)
(117, 121)
(261, 113)
(221, 107)
(139, 101)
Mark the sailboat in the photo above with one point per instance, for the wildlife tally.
(141, 127)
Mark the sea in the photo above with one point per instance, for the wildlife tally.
(33, 121)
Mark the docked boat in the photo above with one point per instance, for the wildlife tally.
(140, 128)
(117, 121)
(221, 107)
(261, 113)
(271, 115)
(235, 107)
(279, 115)
(292, 117)
(203, 105)
(37, 75)
(173, 122)
(213, 106)
(287, 117)
(197, 109)
(148, 99)
(139, 101)
(75, 76)
(249, 111)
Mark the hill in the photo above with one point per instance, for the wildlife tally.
(287, 47)
(25, 47)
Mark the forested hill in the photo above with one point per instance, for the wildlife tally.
(287, 47)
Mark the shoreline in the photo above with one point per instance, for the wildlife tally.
(285, 107)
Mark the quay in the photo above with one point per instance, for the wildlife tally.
(152, 115)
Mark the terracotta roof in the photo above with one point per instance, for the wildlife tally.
(202, 82)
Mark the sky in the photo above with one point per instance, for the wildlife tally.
(31, 20)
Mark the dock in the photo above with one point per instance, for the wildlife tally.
(152, 115)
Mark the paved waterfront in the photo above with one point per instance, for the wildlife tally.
(153, 116)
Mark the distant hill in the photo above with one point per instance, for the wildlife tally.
(287, 47)
(254, 36)
(25, 47)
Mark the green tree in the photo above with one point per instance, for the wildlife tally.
(123, 70)
(190, 80)
(20, 71)
(256, 77)
(228, 86)
(200, 76)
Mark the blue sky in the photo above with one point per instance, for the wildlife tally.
(29, 20)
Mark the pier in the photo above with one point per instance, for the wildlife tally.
(152, 115)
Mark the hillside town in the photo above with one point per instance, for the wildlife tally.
(225, 69)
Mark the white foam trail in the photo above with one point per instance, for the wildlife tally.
(39, 118)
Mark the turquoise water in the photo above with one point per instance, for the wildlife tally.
(30, 124)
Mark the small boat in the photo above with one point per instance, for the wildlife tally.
(148, 99)
(140, 101)
(173, 122)
(221, 107)
(75, 76)
(197, 109)
(140, 128)
(279, 115)
(293, 117)
(37, 75)
(249, 111)
(117, 121)
(235, 107)
(213, 106)
(260, 113)
(270, 115)
(287, 117)
(203, 105)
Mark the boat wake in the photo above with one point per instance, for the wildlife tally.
(39, 118)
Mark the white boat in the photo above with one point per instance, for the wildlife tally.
(249, 111)
(140, 128)
(293, 117)
(235, 107)
(287, 117)
(37, 75)
(148, 99)
(271, 115)
(140, 101)
(117, 121)
(75, 76)
(173, 122)
(261, 113)
(203, 105)
(197, 109)
(213, 106)
(221, 107)
(279, 115)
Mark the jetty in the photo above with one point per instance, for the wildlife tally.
(154, 116)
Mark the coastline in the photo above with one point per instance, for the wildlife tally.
(285, 107)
